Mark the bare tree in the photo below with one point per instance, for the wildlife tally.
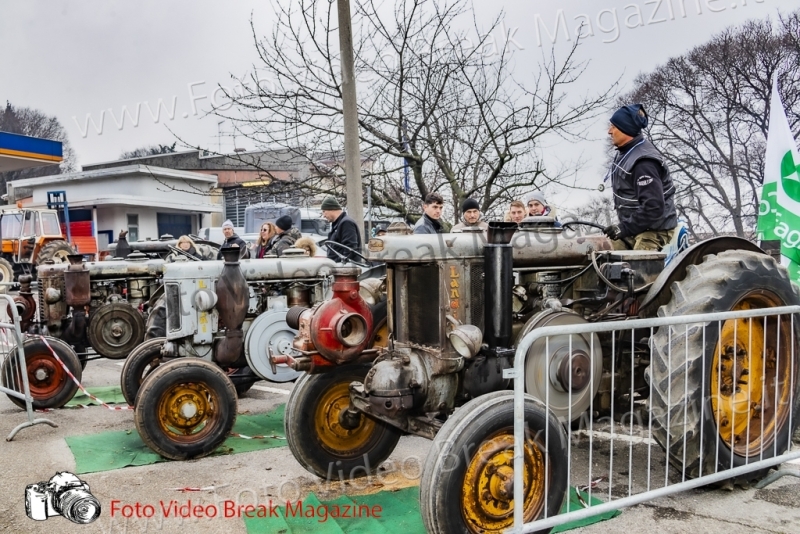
(709, 110)
(599, 210)
(35, 123)
(438, 102)
(149, 150)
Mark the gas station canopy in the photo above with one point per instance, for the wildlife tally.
(22, 152)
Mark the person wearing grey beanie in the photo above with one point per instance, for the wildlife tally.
(644, 194)
(232, 240)
(470, 217)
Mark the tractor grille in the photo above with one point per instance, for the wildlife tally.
(476, 294)
(424, 317)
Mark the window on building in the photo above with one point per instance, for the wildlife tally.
(133, 227)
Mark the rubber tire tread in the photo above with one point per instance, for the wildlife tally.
(441, 513)
(131, 378)
(721, 278)
(181, 370)
(68, 387)
(49, 250)
(302, 438)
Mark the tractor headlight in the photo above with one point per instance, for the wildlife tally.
(205, 300)
(466, 339)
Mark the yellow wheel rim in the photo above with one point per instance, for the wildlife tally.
(750, 379)
(334, 437)
(186, 411)
(487, 499)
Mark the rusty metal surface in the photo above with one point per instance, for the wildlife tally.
(233, 297)
(532, 247)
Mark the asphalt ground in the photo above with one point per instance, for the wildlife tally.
(38, 452)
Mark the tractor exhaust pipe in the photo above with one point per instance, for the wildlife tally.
(232, 293)
(498, 283)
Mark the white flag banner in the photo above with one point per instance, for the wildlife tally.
(779, 212)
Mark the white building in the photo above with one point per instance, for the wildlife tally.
(147, 201)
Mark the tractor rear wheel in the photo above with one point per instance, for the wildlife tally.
(185, 409)
(139, 364)
(56, 251)
(727, 393)
(326, 442)
(467, 479)
(50, 385)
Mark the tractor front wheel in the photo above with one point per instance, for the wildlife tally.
(185, 409)
(327, 440)
(56, 251)
(141, 362)
(467, 480)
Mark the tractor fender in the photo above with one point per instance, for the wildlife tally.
(661, 290)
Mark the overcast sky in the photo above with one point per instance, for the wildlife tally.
(84, 60)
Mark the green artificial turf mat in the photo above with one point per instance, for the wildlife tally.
(399, 514)
(105, 451)
(107, 394)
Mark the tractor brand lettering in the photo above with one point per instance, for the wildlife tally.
(454, 287)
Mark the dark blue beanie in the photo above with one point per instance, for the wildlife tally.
(630, 119)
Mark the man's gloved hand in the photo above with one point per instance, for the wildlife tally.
(613, 231)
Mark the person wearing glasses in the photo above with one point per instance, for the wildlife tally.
(267, 232)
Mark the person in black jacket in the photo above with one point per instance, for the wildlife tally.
(644, 195)
(344, 230)
(233, 240)
(431, 213)
(285, 237)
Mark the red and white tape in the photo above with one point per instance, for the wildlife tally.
(69, 373)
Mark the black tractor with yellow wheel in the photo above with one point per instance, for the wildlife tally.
(458, 305)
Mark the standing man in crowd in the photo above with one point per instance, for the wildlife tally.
(517, 211)
(432, 212)
(233, 240)
(470, 216)
(344, 231)
(644, 195)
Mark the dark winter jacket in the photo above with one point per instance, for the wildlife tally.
(235, 240)
(343, 231)
(644, 195)
(280, 242)
(426, 225)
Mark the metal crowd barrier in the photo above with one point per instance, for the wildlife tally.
(592, 451)
(14, 376)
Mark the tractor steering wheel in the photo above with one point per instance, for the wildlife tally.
(183, 252)
(583, 223)
(364, 262)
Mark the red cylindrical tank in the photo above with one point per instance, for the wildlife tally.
(341, 327)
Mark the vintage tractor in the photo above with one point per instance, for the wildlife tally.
(223, 321)
(30, 237)
(101, 305)
(458, 304)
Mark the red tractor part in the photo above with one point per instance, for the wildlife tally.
(339, 329)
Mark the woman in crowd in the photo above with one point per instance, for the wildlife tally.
(267, 232)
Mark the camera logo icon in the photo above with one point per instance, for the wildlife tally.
(65, 495)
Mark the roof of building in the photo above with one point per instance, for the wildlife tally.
(22, 152)
(203, 160)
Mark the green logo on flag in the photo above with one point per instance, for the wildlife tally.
(790, 176)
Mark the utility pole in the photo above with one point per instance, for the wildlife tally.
(352, 153)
